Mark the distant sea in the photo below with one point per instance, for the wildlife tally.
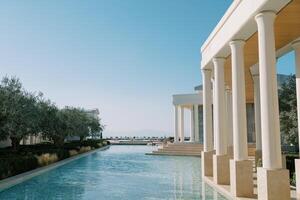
(139, 133)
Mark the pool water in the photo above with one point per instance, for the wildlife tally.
(120, 173)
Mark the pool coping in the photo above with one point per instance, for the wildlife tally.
(17, 179)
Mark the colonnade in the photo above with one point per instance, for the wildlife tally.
(179, 134)
(230, 124)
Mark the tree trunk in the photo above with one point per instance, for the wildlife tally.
(81, 138)
(15, 143)
(58, 141)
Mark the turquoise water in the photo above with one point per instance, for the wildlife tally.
(120, 173)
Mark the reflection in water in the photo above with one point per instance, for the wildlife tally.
(122, 172)
(188, 183)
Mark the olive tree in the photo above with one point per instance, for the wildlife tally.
(18, 111)
(288, 111)
(96, 128)
(52, 122)
(23, 113)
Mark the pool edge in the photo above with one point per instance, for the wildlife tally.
(17, 179)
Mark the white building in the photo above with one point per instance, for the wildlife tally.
(239, 63)
(193, 103)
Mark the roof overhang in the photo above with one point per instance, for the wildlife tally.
(188, 99)
(237, 23)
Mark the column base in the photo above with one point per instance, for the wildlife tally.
(230, 152)
(273, 184)
(258, 158)
(207, 163)
(221, 171)
(297, 173)
(241, 178)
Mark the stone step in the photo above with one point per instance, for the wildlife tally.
(188, 152)
(179, 147)
(193, 146)
(181, 150)
(192, 149)
(185, 145)
(176, 153)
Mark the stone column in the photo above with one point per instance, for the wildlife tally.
(208, 150)
(192, 128)
(296, 47)
(181, 124)
(196, 126)
(221, 159)
(229, 122)
(214, 114)
(176, 128)
(268, 184)
(241, 177)
(255, 76)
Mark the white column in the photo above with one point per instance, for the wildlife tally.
(176, 128)
(255, 76)
(214, 114)
(196, 119)
(296, 46)
(221, 133)
(229, 122)
(207, 111)
(267, 187)
(181, 124)
(239, 101)
(270, 127)
(192, 128)
(241, 169)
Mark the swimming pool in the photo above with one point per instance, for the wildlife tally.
(120, 173)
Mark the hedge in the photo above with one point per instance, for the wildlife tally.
(25, 159)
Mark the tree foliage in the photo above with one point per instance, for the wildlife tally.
(288, 111)
(18, 110)
(23, 113)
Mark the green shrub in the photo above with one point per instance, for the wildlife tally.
(85, 143)
(290, 164)
(293, 179)
(92, 143)
(16, 164)
(28, 156)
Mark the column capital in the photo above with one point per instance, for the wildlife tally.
(296, 44)
(206, 71)
(227, 88)
(254, 70)
(218, 59)
(237, 42)
(266, 13)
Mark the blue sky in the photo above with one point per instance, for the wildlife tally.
(125, 57)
